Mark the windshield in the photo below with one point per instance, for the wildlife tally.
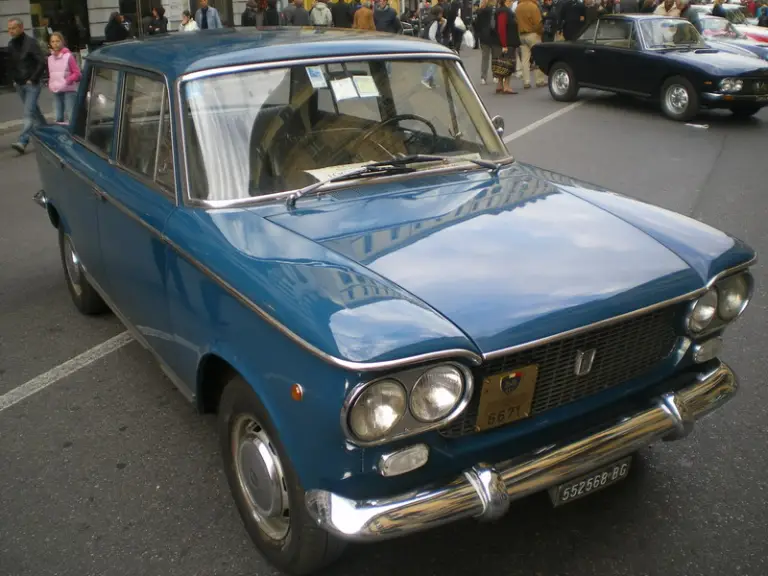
(259, 132)
(735, 15)
(670, 33)
(719, 27)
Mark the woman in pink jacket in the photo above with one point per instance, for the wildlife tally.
(63, 76)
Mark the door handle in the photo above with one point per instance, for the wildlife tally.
(589, 51)
(98, 194)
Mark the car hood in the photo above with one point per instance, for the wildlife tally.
(740, 46)
(720, 63)
(507, 260)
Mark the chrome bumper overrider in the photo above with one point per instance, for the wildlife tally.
(40, 198)
(486, 491)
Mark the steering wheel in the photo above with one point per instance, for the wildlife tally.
(399, 118)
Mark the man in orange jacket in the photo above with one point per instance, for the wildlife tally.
(530, 28)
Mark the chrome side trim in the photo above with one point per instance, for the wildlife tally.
(485, 491)
(408, 424)
(615, 319)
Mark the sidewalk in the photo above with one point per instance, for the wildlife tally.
(11, 109)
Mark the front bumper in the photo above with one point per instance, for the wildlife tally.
(485, 491)
(718, 100)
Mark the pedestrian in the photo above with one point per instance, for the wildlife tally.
(503, 63)
(188, 23)
(572, 16)
(248, 17)
(434, 30)
(321, 15)
(207, 17)
(27, 63)
(296, 15)
(271, 15)
(763, 19)
(115, 30)
(63, 76)
(159, 23)
(670, 8)
(363, 19)
(549, 22)
(385, 18)
(485, 28)
(530, 29)
(342, 14)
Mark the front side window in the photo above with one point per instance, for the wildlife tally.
(145, 145)
(102, 101)
(259, 132)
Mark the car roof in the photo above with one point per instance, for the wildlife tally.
(180, 53)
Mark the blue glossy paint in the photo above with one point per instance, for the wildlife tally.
(177, 54)
(718, 63)
(508, 260)
(739, 46)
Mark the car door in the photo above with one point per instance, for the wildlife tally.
(141, 198)
(90, 147)
(580, 55)
(618, 58)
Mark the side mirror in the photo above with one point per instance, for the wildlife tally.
(498, 123)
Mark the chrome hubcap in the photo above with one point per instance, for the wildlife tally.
(561, 81)
(677, 99)
(260, 476)
(72, 263)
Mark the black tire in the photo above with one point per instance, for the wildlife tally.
(671, 93)
(305, 548)
(84, 296)
(563, 86)
(745, 111)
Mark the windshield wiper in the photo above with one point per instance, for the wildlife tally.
(398, 165)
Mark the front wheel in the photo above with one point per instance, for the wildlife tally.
(679, 100)
(562, 83)
(266, 489)
(745, 111)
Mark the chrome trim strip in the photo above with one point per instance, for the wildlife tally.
(613, 320)
(412, 425)
(485, 492)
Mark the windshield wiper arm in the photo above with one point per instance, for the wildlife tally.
(395, 165)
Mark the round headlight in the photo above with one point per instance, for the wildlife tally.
(436, 393)
(703, 311)
(377, 410)
(734, 294)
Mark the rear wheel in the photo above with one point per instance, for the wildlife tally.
(562, 83)
(266, 488)
(85, 298)
(745, 111)
(679, 100)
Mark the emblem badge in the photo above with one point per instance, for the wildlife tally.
(510, 382)
(584, 361)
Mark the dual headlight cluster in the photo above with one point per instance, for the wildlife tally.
(721, 304)
(407, 403)
(731, 85)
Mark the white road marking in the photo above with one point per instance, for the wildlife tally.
(63, 370)
(531, 127)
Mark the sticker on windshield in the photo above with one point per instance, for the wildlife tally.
(343, 89)
(366, 87)
(317, 76)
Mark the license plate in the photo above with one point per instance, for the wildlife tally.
(590, 483)
(506, 397)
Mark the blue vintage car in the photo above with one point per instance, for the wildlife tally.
(398, 324)
(656, 58)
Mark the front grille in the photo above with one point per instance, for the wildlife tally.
(625, 351)
(756, 86)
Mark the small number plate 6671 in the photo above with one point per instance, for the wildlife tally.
(590, 483)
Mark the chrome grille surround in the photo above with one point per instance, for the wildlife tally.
(624, 351)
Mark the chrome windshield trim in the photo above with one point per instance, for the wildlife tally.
(613, 320)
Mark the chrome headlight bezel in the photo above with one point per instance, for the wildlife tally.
(408, 424)
(731, 85)
(719, 288)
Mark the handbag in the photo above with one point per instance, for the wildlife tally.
(468, 39)
(503, 66)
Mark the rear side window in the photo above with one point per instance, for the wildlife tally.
(589, 33)
(101, 100)
(145, 133)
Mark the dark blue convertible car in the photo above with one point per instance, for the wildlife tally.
(398, 324)
(656, 58)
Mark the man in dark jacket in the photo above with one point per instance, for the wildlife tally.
(385, 18)
(342, 14)
(27, 65)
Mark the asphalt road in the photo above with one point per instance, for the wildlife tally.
(110, 472)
